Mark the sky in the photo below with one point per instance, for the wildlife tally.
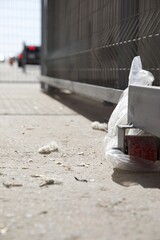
(20, 21)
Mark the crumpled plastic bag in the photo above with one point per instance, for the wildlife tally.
(137, 76)
(122, 161)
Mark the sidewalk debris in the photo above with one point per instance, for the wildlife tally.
(3, 230)
(64, 155)
(81, 153)
(48, 148)
(58, 163)
(100, 126)
(81, 180)
(1, 174)
(83, 164)
(43, 212)
(25, 168)
(50, 182)
(37, 176)
(9, 185)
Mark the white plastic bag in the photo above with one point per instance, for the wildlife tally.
(118, 117)
(130, 163)
(137, 76)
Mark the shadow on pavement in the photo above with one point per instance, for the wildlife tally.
(127, 179)
(90, 109)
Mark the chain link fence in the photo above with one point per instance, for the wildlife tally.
(94, 41)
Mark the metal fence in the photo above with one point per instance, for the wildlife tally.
(94, 41)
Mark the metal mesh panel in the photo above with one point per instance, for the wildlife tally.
(94, 41)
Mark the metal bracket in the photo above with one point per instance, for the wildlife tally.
(121, 136)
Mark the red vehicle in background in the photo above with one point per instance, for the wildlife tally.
(20, 59)
(29, 55)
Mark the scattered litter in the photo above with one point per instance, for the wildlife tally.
(43, 212)
(58, 163)
(81, 180)
(92, 180)
(64, 155)
(68, 168)
(81, 153)
(25, 168)
(110, 204)
(3, 230)
(30, 129)
(51, 159)
(30, 160)
(47, 181)
(100, 126)
(83, 165)
(9, 185)
(63, 165)
(37, 176)
(50, 182)
(48, 148)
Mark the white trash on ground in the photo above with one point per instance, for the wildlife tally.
(137, 76)
(99, 126)
(48, 148)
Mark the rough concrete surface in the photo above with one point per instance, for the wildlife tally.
(108, 204)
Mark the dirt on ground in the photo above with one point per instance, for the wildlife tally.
(72, 193)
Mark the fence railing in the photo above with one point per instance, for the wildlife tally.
(94, 41)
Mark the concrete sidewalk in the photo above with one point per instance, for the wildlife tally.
(107, 205)
(15, 74)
